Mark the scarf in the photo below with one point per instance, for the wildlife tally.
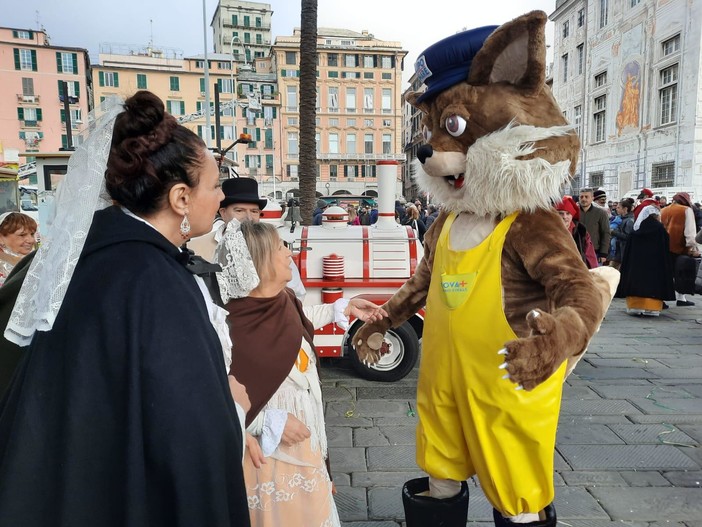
(266, 335)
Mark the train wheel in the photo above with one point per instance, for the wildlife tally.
(395, 365)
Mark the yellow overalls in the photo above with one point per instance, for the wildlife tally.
(471, 421)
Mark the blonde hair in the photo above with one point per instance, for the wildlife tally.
(262, 240)
(412, 212)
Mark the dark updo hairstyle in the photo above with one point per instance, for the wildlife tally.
(150, 153)
(627, 203)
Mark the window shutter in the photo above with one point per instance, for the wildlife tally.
(64, 141)
(15, 34)
(198, 106)
(76, 88)
(182, 107)
(59, 62)
(34, 60)
(258, 134)
(17, 59)
(63, 115)
(22, 135)
(219, 85)
(101, 77)
(20, 114)
(38, 114)
(199, 130)
(282, 73)
(116, 77)
(202, 85)
(60, 89)
(31, 34)
(274, 112)
(75, 63)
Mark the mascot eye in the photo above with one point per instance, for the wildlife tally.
(455, 125)
(426, 133)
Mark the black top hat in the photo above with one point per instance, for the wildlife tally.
(241, 190)
(448, 61)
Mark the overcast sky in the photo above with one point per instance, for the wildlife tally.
(179, 23)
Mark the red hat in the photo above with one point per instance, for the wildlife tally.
(683, 198)
(568, 204)
(648, 192)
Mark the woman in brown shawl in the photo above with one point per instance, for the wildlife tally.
(287, 479)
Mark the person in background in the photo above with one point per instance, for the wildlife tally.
(644, 199)
(662, 202)
(319, 211)
(621, 233)
(413, 220)
(432, 214)
(569, 212)
(374, 214)
(596, 221)
(364, 216)
(646, 271)
(600, 199)
(679, 221)
(353, 216)
(17, 240)
(287, 480)
(121, 411)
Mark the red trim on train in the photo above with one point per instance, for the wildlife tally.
(412, 249)
(366, 253)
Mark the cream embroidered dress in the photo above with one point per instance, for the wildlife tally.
(293, 488)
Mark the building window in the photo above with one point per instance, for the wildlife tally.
(369, 123)
(578, 118)
(247, 21)
(334, 122)
(599, 118)
(386, 76)
(350, 60)
(333, 143)
(30, 116)
(581, 17)
(634, 3)
(333, 172)
(25, 59)
(224, 65)
(350, 171)
(333, 99)
(259, 39)
(226, 85)
(368, 143)
(26, 35)
(27, 86)
(596, 179)
(600, 79)
(66, 62)
(292, 172)
(670, 46)
(290, 57)
(332, 59)
(387, 100)
(292, 98)
(603, 13)
(368, 100)
(387, 144)
(581, 58)
(369, 61)
(175, 107)
(352, 75)
(387, 62)
(141, 81)
(564, 66)
(175, 83)
(350, 123)
(292, 144)
(566, 29)
(668, 94)
(350, 99)
(350, 143)
(108, 78)
(292, 121)
(386, 122)
(663, 175)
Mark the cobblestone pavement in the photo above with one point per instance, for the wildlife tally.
(628, 450)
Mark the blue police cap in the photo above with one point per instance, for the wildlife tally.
(448, 61)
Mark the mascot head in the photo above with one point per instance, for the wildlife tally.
(495, 139)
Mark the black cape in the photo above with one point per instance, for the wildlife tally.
(121, 415)
(646, 269)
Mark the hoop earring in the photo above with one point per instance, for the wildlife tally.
(185, 227)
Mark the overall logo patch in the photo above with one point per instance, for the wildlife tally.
(457, 288)
(421, 69)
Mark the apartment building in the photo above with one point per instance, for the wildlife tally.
(627, 74)
(242, 30)
(32, 114)
(412, 140)
(180, 82)
(359, 109)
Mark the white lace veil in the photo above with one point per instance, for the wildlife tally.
(79, 195)
(645, 213)
(238, 277)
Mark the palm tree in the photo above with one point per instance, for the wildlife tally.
(308, 113)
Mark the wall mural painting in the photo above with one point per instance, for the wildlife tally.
(628, 114)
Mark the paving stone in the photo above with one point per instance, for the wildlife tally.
(694, 431)
(592, 419)
(384, 478)
(598, 407)
(351, 503)
(335, 420)
(671, 419)
(369, 437)
(341, 479)
(644, 478)
(593, 479)
(559, 463)
(339, 436)
(406, 420)
(576, 503)
(684, 478)
(385, 503)
(579, 392)
(629, 362)
(347, 459)
(667, 406)
(401, 457)
(695, 454)
(338, 393)
(651, 434)
(587, 371)
(584, 434)
(625, 457)
(689, 361)
(680, 373)
(400, 435)
(638, 392)
(650, 504)
(370, 408)
(693, 389)
(388, 392)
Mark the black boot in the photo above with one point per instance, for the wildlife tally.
(549, 513)
(425, 511)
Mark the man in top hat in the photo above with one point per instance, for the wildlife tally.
(242, 202)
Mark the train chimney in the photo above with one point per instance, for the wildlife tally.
(386, 172)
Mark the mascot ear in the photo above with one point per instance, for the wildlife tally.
(515, 52)
(412, 96)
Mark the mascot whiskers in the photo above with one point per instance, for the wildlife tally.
(510, 305)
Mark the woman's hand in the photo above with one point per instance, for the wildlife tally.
(254, 451)
(364, 310)
(294, 432)
(239, 393)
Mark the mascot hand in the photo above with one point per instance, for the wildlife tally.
(530, 361)
(369, 340)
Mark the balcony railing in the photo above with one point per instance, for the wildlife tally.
(29, 99)
(31, 124)
(360, 157)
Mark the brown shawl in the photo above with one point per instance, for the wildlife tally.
(266, 335)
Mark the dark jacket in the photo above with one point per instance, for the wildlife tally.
(122, 413)
(584, 245)
(621, 234)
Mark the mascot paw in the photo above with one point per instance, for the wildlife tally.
(530, 361)
(369, 341)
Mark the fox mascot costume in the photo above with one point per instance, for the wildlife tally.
(510, 305)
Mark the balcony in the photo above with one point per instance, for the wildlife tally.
(30, 124)
(27, 99)
(360, 157)
(71, 99)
